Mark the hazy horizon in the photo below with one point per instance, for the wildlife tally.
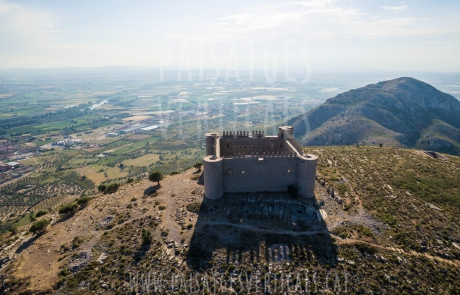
(295, 37)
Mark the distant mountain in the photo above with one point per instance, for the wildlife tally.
(403, 112)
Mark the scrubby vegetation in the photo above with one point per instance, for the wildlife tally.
(108, 189)
(198, 165)
(40, 213)
(135, 235)
(39, 227)
(194, 207)
(415, 195)
(156, 176)
(68, 209)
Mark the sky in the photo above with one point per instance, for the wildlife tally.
(276, 36)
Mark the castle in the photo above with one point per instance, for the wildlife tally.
(239, 162)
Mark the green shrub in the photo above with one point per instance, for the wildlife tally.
(40, 213)
(83, 201)
(365, 248)
(156, 176)
(13, 229)
(112, 188)
(39, 227)
(194, 207)
(64, 272)
(102, 188)
(76, 242)
(146, 237)
(68, 208)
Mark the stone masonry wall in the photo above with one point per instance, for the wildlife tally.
(230, 145)
(254, 175)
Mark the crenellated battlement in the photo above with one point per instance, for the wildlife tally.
(263, 155)
(233, 134)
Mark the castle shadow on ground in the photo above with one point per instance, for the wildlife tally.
(248, 228)
(248, 213)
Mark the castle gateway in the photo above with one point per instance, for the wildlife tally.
(239, 162)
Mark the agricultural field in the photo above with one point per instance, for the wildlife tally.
(87, 131)
(142, 160)
(96, 177)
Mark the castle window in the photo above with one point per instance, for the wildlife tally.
(229, 171)
(242, 171)
(289, 170)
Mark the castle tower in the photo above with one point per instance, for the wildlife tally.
(306, 175)
(286, 130)
(213, 177)
(210, 140)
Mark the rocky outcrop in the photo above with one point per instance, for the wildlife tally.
(402, 112)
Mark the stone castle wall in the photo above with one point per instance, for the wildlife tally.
(271, 174)
(248, 145)
(238, 162)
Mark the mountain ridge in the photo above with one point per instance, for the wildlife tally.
(402, 112)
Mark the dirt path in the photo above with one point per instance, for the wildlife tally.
(263, 230)
(341, 241)
(168, 222)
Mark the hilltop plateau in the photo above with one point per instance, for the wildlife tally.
(392, 227)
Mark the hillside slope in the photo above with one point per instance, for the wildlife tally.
(396, 232)
(403, 112)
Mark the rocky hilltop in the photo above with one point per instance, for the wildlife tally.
(403, 112)
(383, 220)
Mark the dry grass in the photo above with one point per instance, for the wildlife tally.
(145, 160)
(364, 260)
(96, 177)
(115, 172)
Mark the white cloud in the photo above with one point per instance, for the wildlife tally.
(337, 34)
(394, 8)
(324, 19)
(23, 25)
(315, 3)
(3, 8)
(239, 19)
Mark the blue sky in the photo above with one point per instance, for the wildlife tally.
(326, 35)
